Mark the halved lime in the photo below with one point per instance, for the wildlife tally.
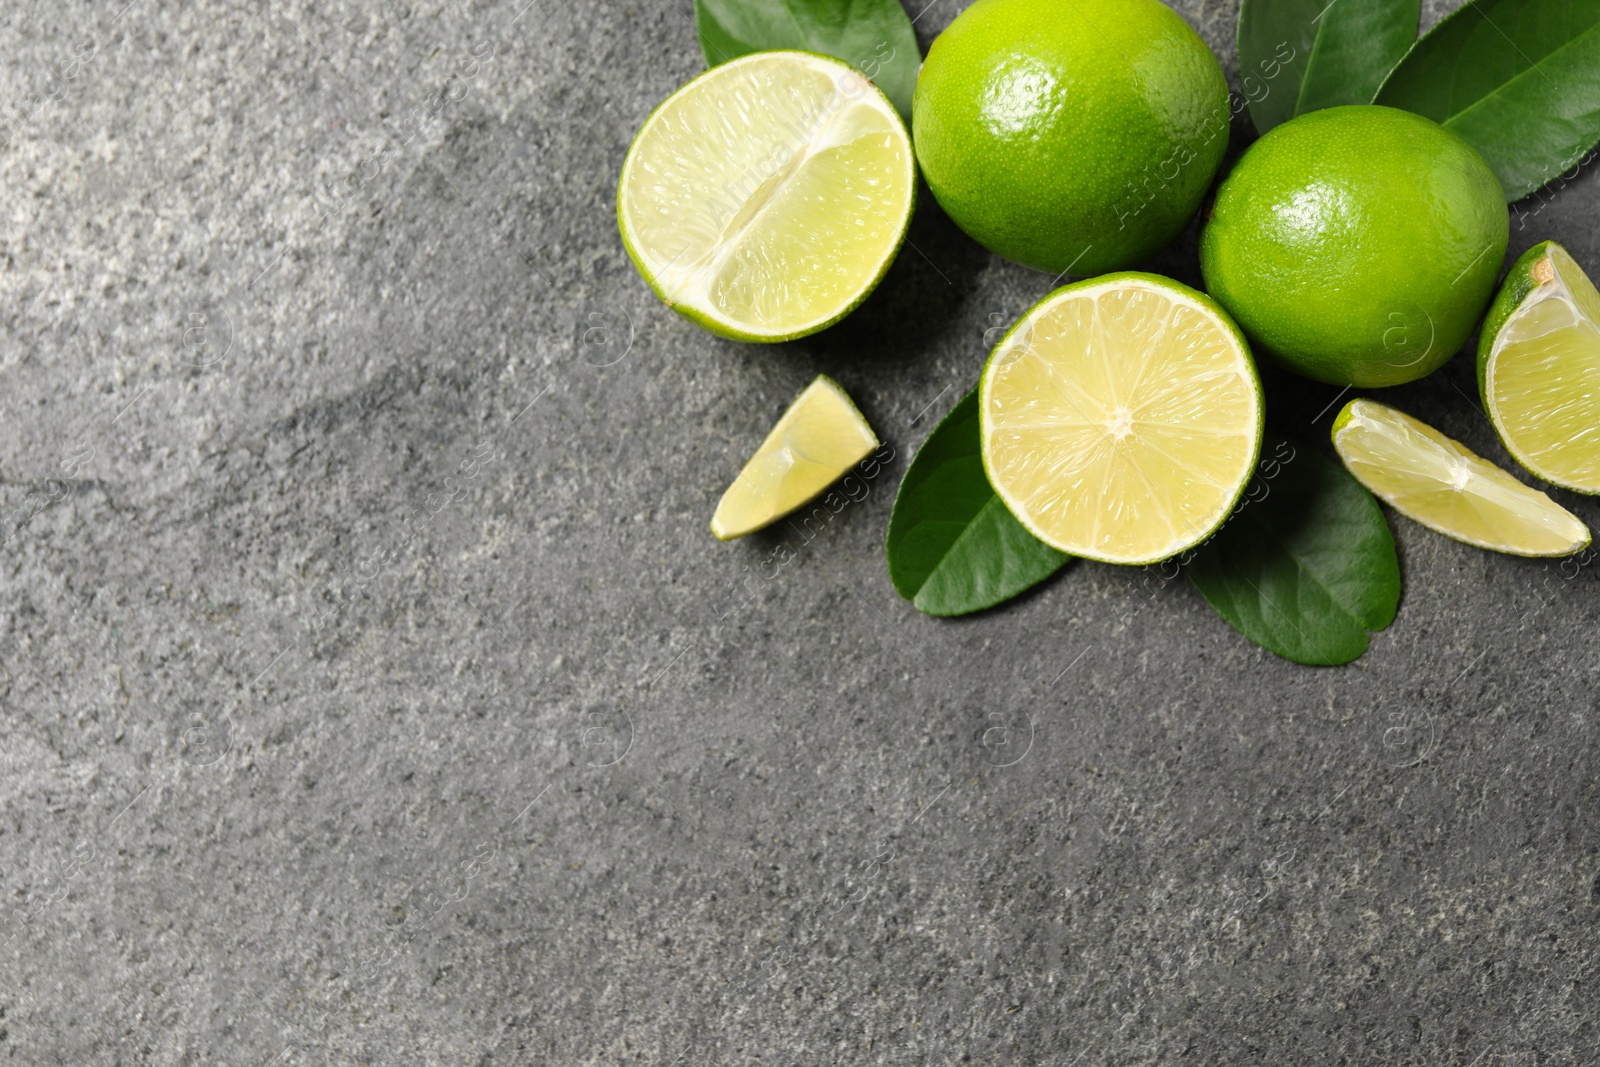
(1121, 418)
(766, 198)
(1436, 481)
(1539, 368)
(815, 442)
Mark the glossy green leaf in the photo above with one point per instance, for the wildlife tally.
(1306, 565)
(874, 36)
(1301, 55)
(1519, 79)
(953, 547)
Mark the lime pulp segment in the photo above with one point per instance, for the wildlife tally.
(1436, 481)
(816, 441)
(766, 198)
(1121, 418)
(1542, 377)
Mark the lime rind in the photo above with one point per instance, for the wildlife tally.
(1226, 494)
(1518, 284)
(1437, 482)
(749, 196)
(1539, 368)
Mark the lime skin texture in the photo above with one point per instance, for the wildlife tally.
(1357, 245)
(1075, 135)
(1520, 281)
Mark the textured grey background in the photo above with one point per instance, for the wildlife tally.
(372, 691)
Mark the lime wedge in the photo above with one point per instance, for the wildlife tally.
(816, 442)
(766, 198)
(1121, 418)
(1539, 368)
(1433, 480)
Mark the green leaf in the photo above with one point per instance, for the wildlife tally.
(1307, 565)
(874, 36)
(1301, 55)
(1519, 79)
(953, 546)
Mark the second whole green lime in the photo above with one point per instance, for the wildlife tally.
(1074, 136)
(1357, 245)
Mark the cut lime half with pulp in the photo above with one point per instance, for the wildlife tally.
(814, 444)
(1436, 481)
(1121, 418)
(766, 198)
(1539, 368)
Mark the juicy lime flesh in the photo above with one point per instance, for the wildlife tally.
(1121, 419)
(817, 440)
(1542, 381)
(1358, 245)
(768, 195)
(1078, 136)
(1439, 483)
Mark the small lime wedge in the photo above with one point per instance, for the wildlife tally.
(814, 444)
(766, 198)
(1539, 368)
(1436, 481)
(1121, 418)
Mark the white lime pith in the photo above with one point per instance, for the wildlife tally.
(1438, 482)
(815, 442)
(1541, 377)
(1121, 418)
(766, 198)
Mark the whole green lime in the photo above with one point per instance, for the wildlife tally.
(1074, 136)
(1357, 245)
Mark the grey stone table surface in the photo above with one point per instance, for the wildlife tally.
(371, 691)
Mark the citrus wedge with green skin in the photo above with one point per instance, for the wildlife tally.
(1436, 481)
(815, 443)
(1539, 368)
(766, 198)
(1121, 418)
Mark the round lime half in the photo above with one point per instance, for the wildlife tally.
(1121, 418)
(766, 198)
